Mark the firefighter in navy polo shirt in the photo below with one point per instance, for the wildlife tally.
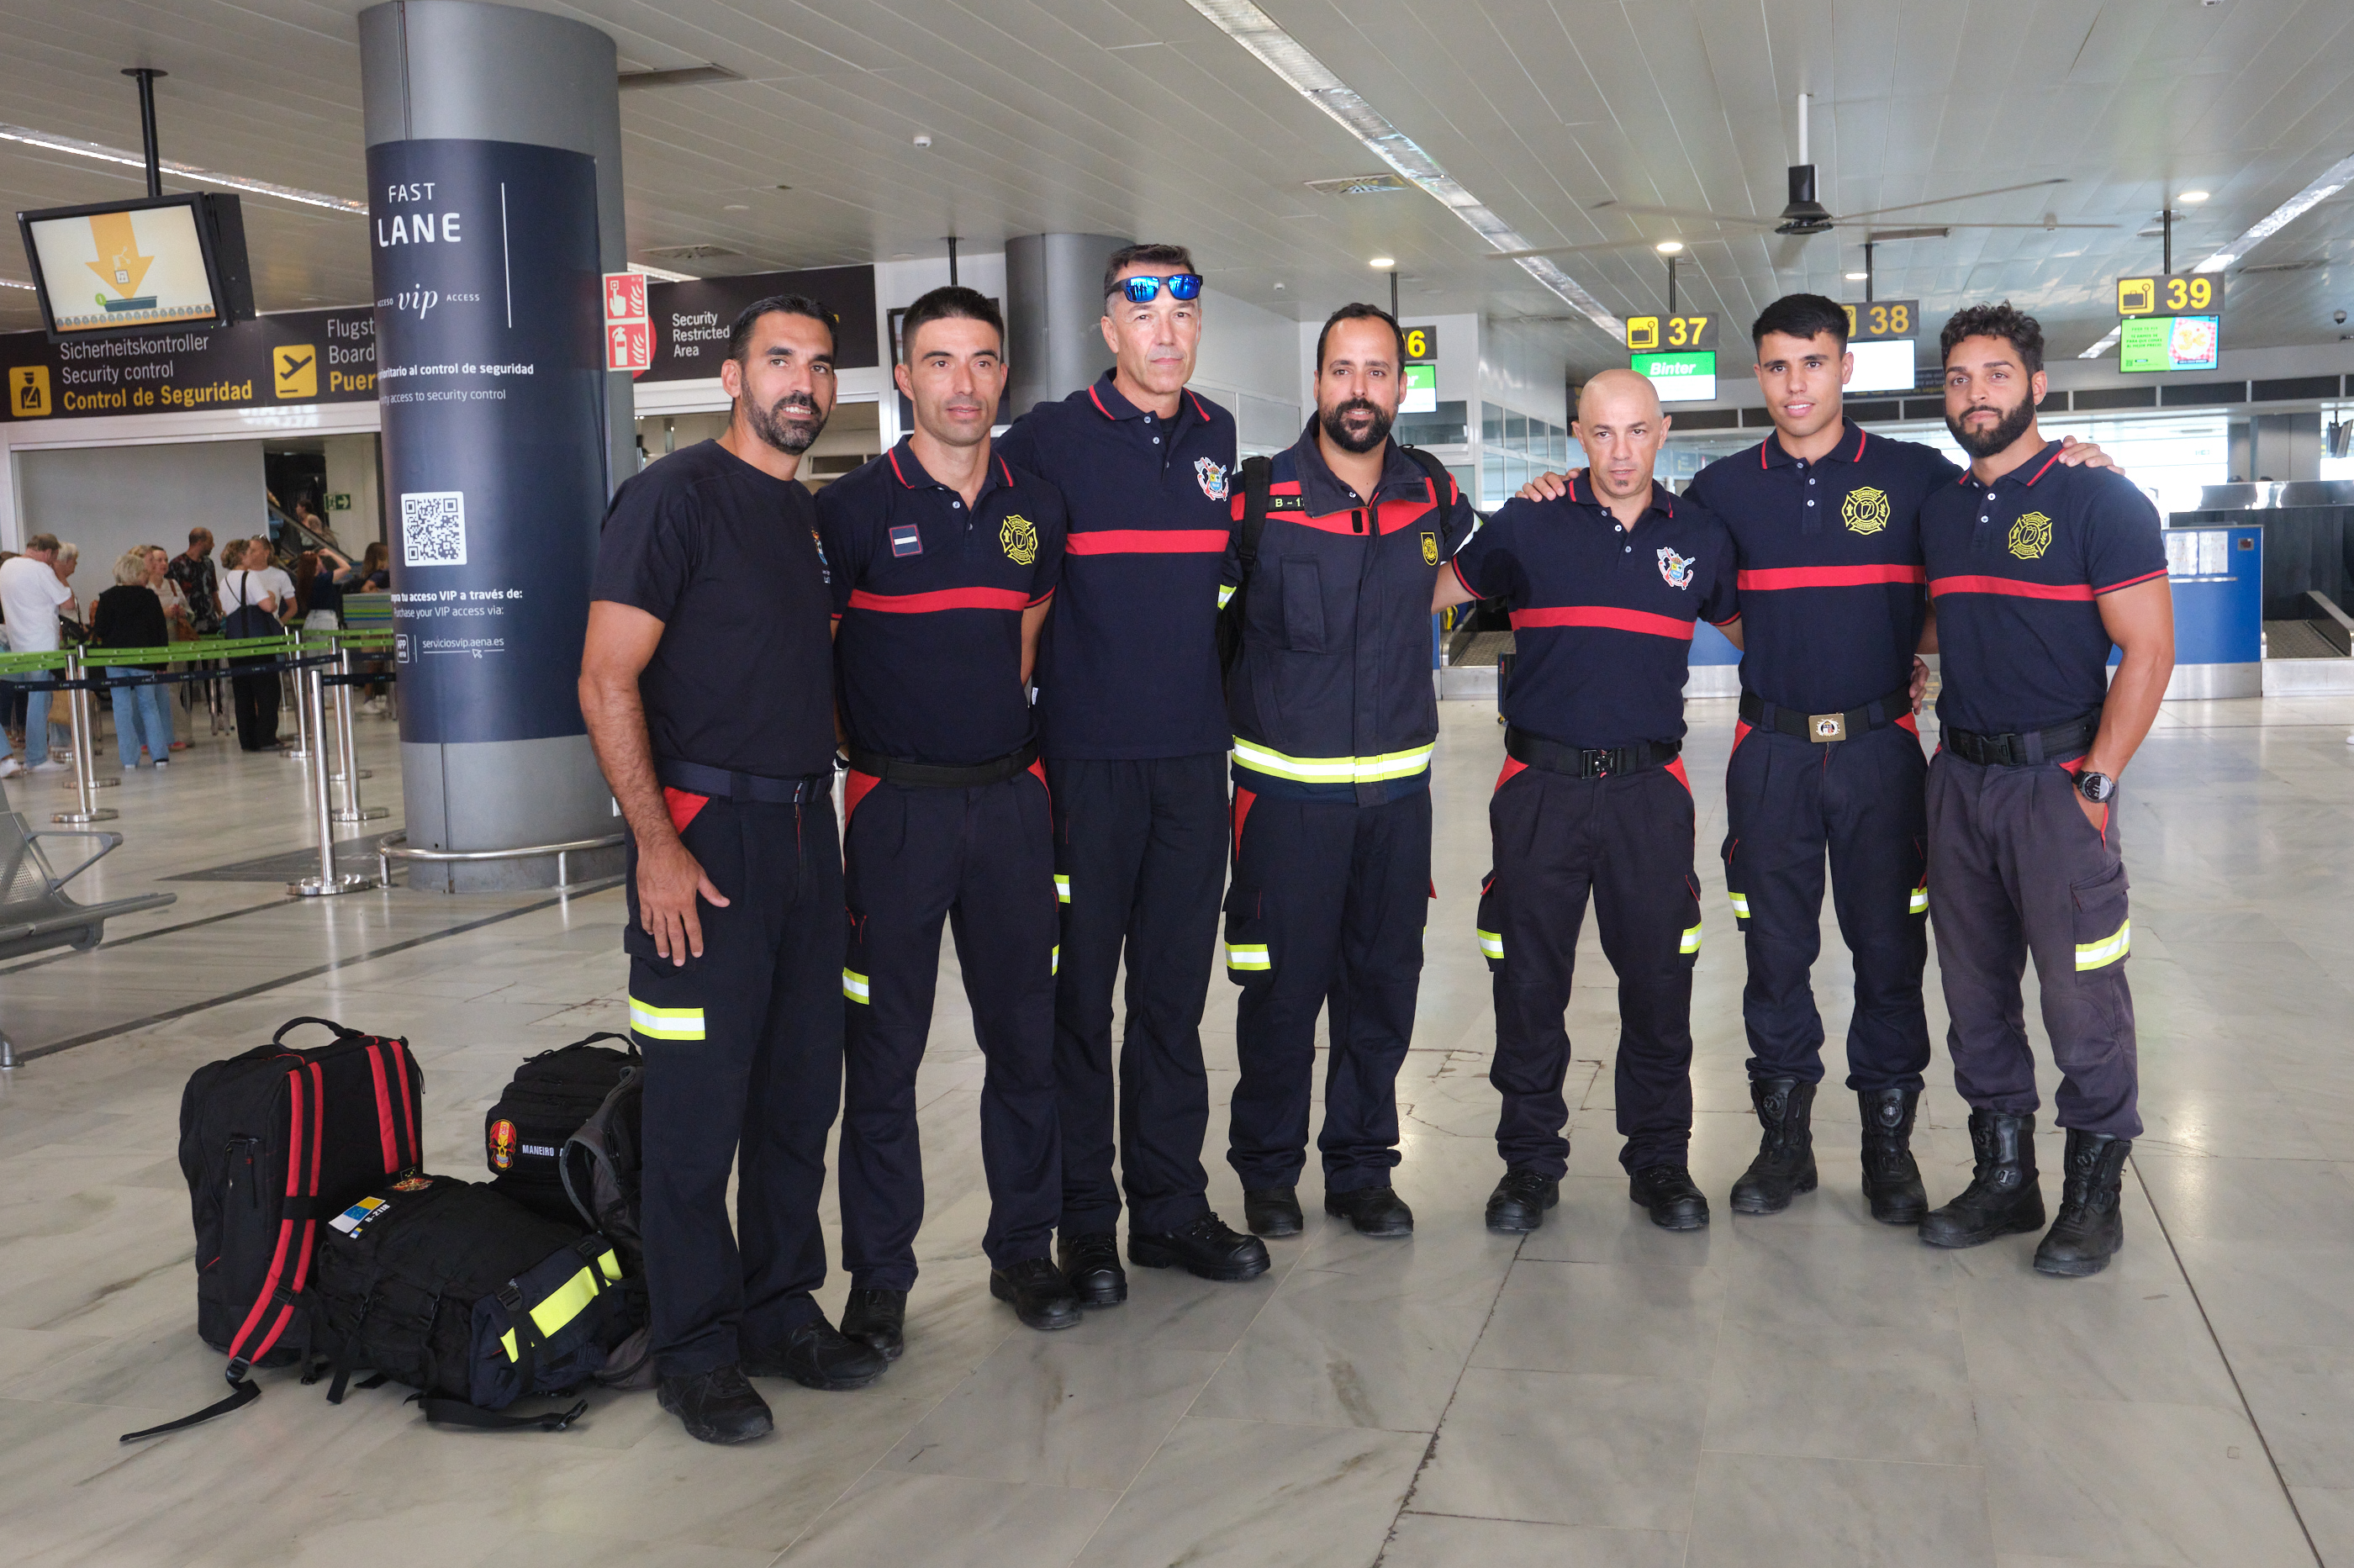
(944, 559)
(1334, 719)
(1604, 586)
(705, 682)
(1133, 728)
(2036, 570)
(1827, 764)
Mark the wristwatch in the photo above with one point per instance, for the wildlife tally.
(2097, 787)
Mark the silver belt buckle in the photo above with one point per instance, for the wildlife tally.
(1827, 726)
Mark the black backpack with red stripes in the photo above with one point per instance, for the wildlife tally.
(274, 1143)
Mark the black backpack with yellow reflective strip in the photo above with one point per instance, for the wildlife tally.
(467, 1297)
(1255, 475)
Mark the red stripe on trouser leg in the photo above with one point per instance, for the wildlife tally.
(854, 786)
(1906, 721)
(683, 807)
(1513, 766)
(1677, 768)
(1243, 799)
(1038, 768)
(1739, 732)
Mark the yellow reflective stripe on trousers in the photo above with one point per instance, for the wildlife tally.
(1061, 889)
(1054, 961)
(565, 1303)
(1332, 769)
(2107, 950)
(1490, 942)
(1920, 902)
(1225, 592)
(1692, 940)
(666, 1022)
(1740, 904)
(853, 985)
(1247, 956)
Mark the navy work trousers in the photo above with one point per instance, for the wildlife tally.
(1627, 841)
(2015, 869)
(1140, 859)
(983, 860)
(1326, 910)
(743, 1067)
(1788, 803)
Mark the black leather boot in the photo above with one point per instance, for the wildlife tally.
(1518, 1204)
(1374, 1210)
(1091, 1263)
(2089, 1230)
(718, 1406)
(2003, 1197)
(1205, 1246)
(1676, 1202)
(880, 1319)
(1272, 1211)
(1892, 1181)
(1785, 1166)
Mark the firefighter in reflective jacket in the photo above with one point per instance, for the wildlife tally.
(1334, 719)
(1605, 585)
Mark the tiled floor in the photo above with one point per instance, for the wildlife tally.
(1806, 1388)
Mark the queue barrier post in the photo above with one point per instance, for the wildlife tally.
(310, 682)
(87, 809)
(348, 746)
(306, 740)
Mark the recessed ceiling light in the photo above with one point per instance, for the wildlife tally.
(2192, 197)
(1668, 246)
(1857, 277)
(1383, 261)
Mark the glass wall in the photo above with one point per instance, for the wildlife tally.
(1515, 448)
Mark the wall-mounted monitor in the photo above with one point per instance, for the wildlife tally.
(2170, 343)
(1681, 377)
(1882, 365)
(116, 267)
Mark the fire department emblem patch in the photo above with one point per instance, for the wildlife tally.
(1677, 569)
(1020, 538)
(2031, 536)
(1212, 477)
(1864, 511)
(503, 1144)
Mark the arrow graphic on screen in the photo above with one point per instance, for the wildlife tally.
(119, 265)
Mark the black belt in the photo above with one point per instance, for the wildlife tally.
(720, 784)
(2028, 751)
(933, 776)
(1826, 728)
(1588, 761)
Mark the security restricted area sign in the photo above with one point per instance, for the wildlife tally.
(2178, 294)
(628, 330)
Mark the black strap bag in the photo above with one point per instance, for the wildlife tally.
(602, 1167)
(467, 1297)
(272, 1142)
(544, 1104)
(1256, 476)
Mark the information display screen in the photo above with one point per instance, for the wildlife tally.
(124, 265)
(1884, 365)
(1681, 377)
(2170, 343)
(1421, 390)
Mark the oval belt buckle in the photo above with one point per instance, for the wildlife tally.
(1827, 726)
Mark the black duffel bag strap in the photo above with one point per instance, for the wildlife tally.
(343, 1031)
(932, 775)
(242, 1392)
(458, 1413)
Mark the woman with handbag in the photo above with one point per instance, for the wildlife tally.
(249, 610)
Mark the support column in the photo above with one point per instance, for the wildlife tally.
(1054, 305)
(495, 203)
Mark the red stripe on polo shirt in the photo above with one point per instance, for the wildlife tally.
(1147, 541)
(1939, 586)
(2129, 582)
(1607, 617)
(1457, 567)
(939, 598)
(1769, 578)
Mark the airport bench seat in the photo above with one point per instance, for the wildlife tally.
(35, 912)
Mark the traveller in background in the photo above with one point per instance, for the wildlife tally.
(1132, 725)
(130, 615)
(271, 577)
(707, 682)
(199, 583)
(176, 618)
(376, 569)
(2037, 569)
(247, 608)
(320, 577)
(12, 697)
(31, 596)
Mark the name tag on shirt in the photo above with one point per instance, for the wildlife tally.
(906, 539)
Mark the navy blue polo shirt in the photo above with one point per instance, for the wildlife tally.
(726, 558)
(929, 595)
(1831, 600)
(2017, 570)
(1602, 613)
(1128, 665)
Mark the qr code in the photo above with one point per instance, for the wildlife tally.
(433, 529)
